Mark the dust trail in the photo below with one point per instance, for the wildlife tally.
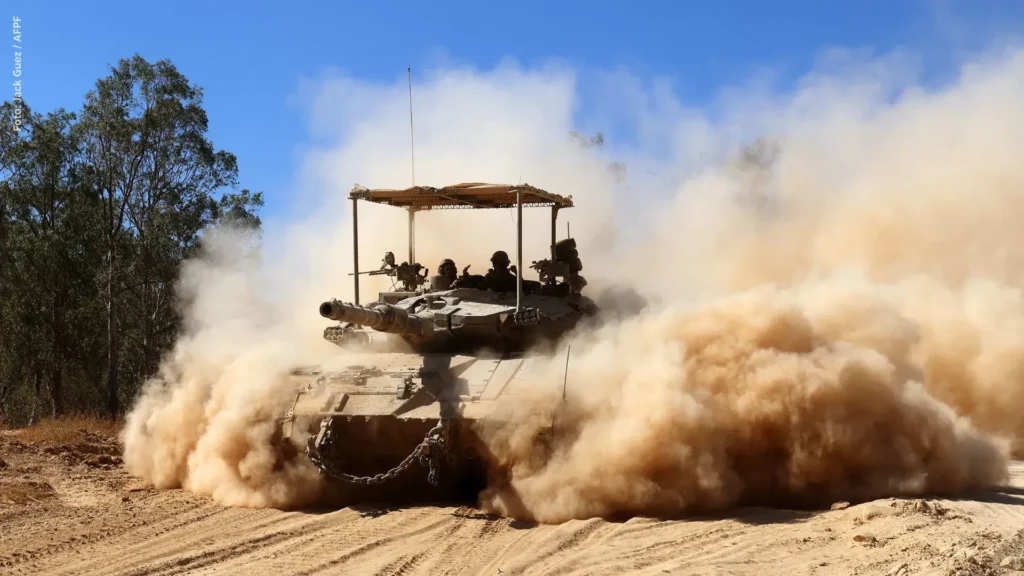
(207, 423)
(842, 318)
(751, 400)
(919, 195)
(859, 331)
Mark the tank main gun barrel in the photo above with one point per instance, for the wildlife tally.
(382, 317)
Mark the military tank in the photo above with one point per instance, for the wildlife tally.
(426, 362)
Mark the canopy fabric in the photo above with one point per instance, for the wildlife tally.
(466, 195)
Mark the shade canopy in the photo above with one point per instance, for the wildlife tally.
(466, 195)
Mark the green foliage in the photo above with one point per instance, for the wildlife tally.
(98, 210)
(239, 209)
(596, 141)
(617, 170)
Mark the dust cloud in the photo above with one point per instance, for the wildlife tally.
(852, 325)
(748, 400)
(207, 422)
(838, 316)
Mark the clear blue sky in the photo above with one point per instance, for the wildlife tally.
(248, 56)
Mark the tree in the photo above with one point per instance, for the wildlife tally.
(46, 234)
(617, 170)
(754, 166)
(597, 141)
(154, 171)
(97, 213)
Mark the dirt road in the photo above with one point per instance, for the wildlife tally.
(73, 510)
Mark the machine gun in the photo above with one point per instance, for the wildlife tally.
(410, 276)
(387, 267)
(565, 264)
(549, 271)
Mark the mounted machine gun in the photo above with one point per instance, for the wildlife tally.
(406, 274)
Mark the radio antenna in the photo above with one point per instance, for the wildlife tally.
(412, 140)
(565, 382)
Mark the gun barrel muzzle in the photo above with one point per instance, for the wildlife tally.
(382, 317)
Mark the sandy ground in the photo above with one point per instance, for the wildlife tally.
(72, 509)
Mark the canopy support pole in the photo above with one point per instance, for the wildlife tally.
(355, 245)
(554, 236)
(412, 235)
(519, 250)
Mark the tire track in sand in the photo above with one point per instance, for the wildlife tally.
(172, 532)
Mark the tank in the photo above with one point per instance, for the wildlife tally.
(395, 414)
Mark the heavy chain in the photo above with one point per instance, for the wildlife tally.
(428, 452)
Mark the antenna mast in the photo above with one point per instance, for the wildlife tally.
(412, 140)
(412, 157)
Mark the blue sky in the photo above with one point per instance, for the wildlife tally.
(250, 56)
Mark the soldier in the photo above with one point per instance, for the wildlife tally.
(500, 278)
(467, 280)
(447, 273)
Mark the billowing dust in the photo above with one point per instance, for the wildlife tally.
(754, 399)
(844, 321)
(207, 423)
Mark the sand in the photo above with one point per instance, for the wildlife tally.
(71, 510)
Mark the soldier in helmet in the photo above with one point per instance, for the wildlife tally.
(499, 278)
(447, 273)
(467, 280)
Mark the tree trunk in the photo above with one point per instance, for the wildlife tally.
(147, 331)
(57, 390)
(3, 403)
(112, 340)
(57, 329)
(37, 377)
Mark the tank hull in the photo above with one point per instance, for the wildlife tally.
(377, 409)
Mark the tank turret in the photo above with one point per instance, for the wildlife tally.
(459, 320)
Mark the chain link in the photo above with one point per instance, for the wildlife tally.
(428, 452)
